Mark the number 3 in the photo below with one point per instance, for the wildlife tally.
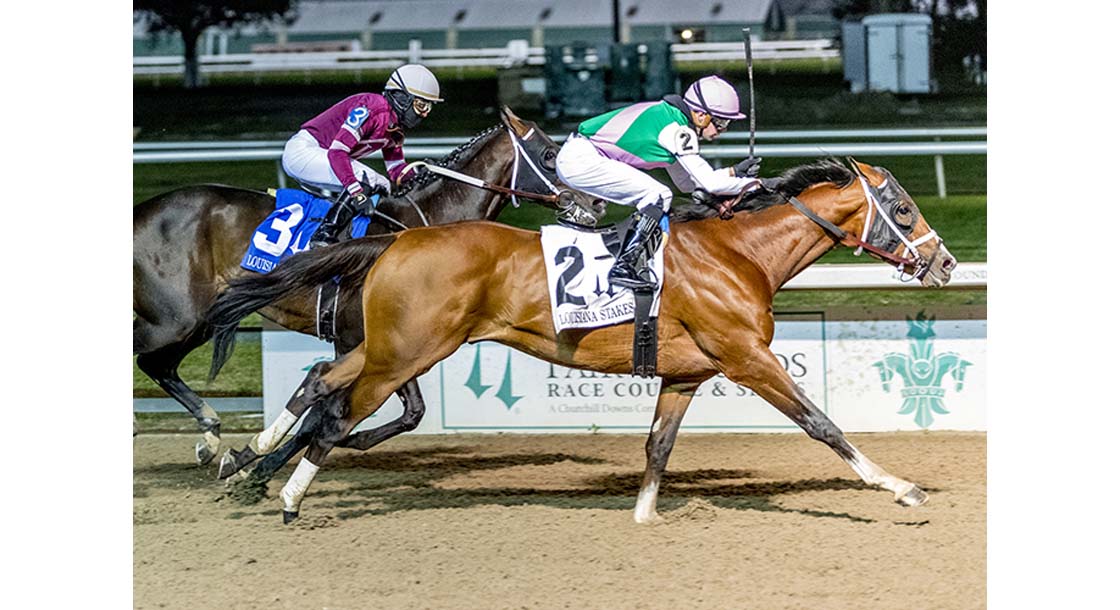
(283, 227)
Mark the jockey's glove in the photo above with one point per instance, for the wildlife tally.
(748, 168)
(360, 203)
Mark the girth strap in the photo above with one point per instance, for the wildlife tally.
(645, 335)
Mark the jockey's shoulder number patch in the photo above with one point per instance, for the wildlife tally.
(679, 140)
(357, 117)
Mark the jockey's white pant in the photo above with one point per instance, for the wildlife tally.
(581, 166)
(307, 162)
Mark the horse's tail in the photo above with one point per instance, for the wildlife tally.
(302, 273)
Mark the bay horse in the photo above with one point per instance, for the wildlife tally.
(187, 244)
(434, 289)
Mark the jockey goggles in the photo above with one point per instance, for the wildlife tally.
(421, 106)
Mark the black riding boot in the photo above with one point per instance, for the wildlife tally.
(639, 244)
(337, 218)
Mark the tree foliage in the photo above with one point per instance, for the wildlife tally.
(190, 19)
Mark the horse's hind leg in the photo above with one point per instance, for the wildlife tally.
(162, 366)
(368, 394)
(769, 379)
(413, 412)
(262, 473)
(324, 379)
(671, 406)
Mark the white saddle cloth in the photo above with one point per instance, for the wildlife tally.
(577, 264)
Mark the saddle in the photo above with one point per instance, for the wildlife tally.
(645, 326)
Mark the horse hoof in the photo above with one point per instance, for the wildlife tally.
(228, 465)
(913, 497)
(202, 453)
(290, 516)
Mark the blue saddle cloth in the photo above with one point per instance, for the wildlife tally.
(289, 228)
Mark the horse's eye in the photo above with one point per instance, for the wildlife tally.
(548, 159)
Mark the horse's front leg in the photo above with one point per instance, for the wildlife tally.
(761, 371)
(672, 402)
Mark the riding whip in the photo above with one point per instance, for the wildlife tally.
(750, 81)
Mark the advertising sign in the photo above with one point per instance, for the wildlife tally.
(913, 374)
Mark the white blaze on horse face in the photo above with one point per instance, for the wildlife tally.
(297, 485)
(267, 439)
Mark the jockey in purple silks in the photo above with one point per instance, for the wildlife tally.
(325, 151)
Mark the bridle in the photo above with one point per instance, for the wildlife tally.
(563, 199)
(913, 258)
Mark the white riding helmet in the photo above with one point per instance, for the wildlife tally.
(416, 80)
(714, 96)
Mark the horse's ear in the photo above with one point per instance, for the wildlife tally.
(857, 167)
(514, 122)
(864, 170)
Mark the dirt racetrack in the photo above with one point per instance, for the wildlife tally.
(544, 521)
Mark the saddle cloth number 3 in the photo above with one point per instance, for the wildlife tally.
(285, 229)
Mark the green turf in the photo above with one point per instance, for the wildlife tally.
(240, 377)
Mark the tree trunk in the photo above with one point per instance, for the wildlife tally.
(191, 77)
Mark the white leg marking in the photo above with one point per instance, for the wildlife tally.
(645, 510)
(872, 474)
(267, 439)
(297, 485)
(656, 426)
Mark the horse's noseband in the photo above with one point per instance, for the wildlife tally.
(890, 223)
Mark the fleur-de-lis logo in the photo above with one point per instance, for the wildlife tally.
(921, 372)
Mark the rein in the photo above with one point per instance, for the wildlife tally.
(495, 188)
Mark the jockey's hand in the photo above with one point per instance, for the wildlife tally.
(705, 198)
(360, 204)
(748, 168)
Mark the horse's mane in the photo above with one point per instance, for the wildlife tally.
(790, 184)
(453, 160)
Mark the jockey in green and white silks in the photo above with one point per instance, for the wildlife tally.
(605, 157)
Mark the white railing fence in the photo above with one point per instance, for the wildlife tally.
(264, 150)
(517, 52)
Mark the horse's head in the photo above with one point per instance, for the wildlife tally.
(534, 171)
(894, 224)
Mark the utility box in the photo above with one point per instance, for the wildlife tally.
(660, 78)
(584, 80)
(575, 79)
(889, 52)
(626, 73)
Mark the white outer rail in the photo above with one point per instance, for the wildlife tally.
(515, 53)
(868, 276)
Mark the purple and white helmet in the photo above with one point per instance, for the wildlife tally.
(715, 96)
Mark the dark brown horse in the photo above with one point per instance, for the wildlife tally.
(188, 243)
(434, 289)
